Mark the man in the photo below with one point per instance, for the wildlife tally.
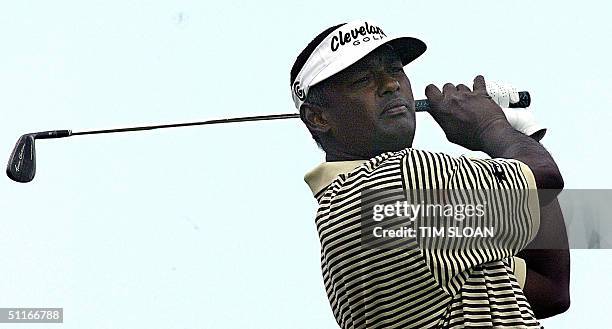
(356, 100)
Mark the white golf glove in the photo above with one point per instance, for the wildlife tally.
(520, 119)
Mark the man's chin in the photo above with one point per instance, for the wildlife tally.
(397, 137)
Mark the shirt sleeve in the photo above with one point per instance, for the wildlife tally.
(512, 212)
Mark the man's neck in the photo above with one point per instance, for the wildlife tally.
(343, 157)
(334, 153)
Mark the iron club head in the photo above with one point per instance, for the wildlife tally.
(22, 163)
(21, 166)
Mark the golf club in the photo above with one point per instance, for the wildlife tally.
(22, 162)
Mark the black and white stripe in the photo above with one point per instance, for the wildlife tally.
(416, 287)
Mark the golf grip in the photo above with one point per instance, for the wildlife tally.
(422, 105)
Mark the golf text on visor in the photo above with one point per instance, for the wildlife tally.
(345, 46)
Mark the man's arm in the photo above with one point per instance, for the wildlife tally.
(547, 259)
(548, 265)
(471, 119)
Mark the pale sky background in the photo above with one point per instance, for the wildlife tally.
(213, 227)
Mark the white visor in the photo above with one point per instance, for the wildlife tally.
(345, 46)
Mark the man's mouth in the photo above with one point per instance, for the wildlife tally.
(395, 107)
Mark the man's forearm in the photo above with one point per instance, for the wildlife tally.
(548, 265)
(547, 256)
(502, 141)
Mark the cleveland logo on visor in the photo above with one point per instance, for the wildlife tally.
(335, 53)
(353, 35)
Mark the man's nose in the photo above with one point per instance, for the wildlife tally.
(387, 84)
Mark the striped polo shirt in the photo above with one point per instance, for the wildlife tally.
(417, 288)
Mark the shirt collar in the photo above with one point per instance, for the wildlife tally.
(325, 173)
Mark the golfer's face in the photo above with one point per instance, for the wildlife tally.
(372, 107)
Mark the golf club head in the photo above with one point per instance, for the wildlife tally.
(22, 163)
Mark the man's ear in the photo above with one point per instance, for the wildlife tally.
(315, 119)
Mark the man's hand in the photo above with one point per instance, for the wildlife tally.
(465, 115)
(471, 119)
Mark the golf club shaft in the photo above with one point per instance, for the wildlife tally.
(187, 124)
(421, 105)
